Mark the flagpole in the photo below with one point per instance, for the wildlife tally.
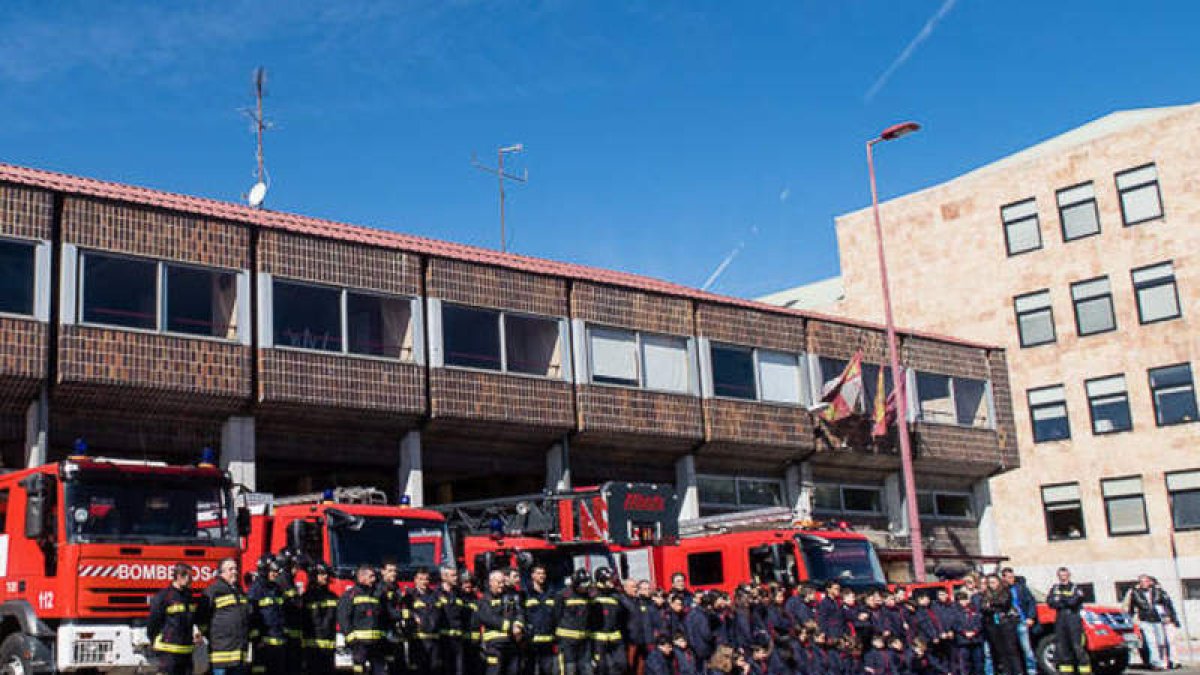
(906, 463)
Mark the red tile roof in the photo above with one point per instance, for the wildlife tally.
(290, 222)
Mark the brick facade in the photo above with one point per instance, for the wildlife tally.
(382, 386)
(164, 235)
(339, 263)
(497, 288)
(22, 361)
(25, 212)
(622, 308)
(470, 395)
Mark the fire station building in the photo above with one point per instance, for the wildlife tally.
(310, 353)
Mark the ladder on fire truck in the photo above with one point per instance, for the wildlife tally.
(262, 502)
(772, 516)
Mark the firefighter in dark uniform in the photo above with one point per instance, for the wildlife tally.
(473, 644)
(571, 617)
(293, 610)
(266, 600)
(426, 621)
(607, 618)
(541, 657)
(363, 619)
(1070, 648)
(395, 619)
(452, 602)
(171, 626)
(503, 627)
(320, 622)
(226, 621)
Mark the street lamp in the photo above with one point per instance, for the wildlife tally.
(906, 466)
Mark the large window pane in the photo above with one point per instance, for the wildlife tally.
(378, 325)
(471, 337)
(1184, 490)
(827, 497)
(16, 277)
(717, 490)
(1093, 306)
(1174, 394)
(970, 402)
(307, 317)
(532, 345)
(1140, 196)
(665, 362)
(614, 356)
(1157, 295)
(1048, 410)
(1035, 319)
(1109, 403)
(779, 377)
(954, 505)
(868, 500)
(934, 398)
(733, 372)
(1064, 512)
(1077, 209)
(758, 493)
(201, 302)
(120, 291)
(1022, 232)
(1124, 505)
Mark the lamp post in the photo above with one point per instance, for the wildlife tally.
(906, 463)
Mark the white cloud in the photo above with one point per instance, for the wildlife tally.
(921, 36)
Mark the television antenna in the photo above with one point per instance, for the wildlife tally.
(502, 176)
(259, 124)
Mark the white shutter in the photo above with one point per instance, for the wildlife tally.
(433, 316)
(665, 362)
(1060, 493)
(266, 313)
(613, 352)
(69, 288)
(417, 314)
(779, 377)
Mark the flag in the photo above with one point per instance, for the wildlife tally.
(843, 397)
(885, 408)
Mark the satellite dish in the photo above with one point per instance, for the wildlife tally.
(257, 194)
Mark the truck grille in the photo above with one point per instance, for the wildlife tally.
(92, 652)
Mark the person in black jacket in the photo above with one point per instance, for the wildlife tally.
(266, 600)
(319, 624)
(607, 626)
(699, 628)
(968, 636)
(661, 659)
(363, 620)
(225, 620)
(424, 603)
(1151, 609)
(503, 625)
(1000, 626)
(171, 625)
(1026, 607)
(456, 616)
(1070, 643)
(540, 608)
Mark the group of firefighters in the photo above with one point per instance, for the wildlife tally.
(517, 625)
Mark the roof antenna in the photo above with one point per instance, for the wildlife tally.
(501, 176)
(259, 124)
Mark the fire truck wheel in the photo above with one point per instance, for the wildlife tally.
(12, 656)
(1045, 655)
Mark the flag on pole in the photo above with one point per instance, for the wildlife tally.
(886, 407)
(843, 397)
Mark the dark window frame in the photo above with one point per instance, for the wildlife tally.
(1078, 503)
(1154, 397)
(1171, 499)
(639, 379)
(1033, 422)
(755, 393)
(1162, 211)
(1049, 308)
(1138, 287)
(1062, 222)
(1112, 306)
(1108, 516)
(1092, 405)
(756, 353)
(344, 293)
(503, 365)
(1036, 218)
(34, 286)
(710, 563)
(82, 297)
(936, 512)
(165, 267)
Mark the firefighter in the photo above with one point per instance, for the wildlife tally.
(293, 610)
(395, 619)
(1070, 643)
(503, 626)
(571, 616)
(606, 621)
(472, 644)
(171, 626)
(540, 657)
(320, 622)
(266, 600)
(425, 605)
(455, 614)
(363, 619)
(226, 620)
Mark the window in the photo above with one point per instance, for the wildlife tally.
(471, 337)
(1077, 211)
(1183, 490)
(17, 272)
(971, 402)
(1157, 295)
(870, 373)
(945, 504)
(633, 359)
(378, 325)
(934, 400)
(1124, 505)
(1048, 410)
(705, 569)
(1122, 588)
(1022, 231)
(1174, 395)
(1093, 306)
(1035, 318)
(488, 339)
(1191, 589)
(532, 346)
(307, 317)
(1088, 591)
(120, 291)
(1108, 402)
(201, 302)
(952, 400)
(755, 374)
(731, 493)
(1064, 512)
(848, 498)
(1139, 193)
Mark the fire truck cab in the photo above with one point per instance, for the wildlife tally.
(84, 544)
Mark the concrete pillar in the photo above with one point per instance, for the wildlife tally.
(237, 450)
(895, 504)
(412, 478)
(558, 467)
(36, 432)
(981, 498)
(798, 490)
(686, 487)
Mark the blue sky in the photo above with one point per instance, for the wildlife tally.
(660, 134)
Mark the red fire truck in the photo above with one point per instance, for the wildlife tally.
(86, 542)
(613, 525)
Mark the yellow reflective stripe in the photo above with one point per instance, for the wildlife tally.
(490, 635)
(294, 633)
(543, 638)
(425, 636)
(267, 602)
(228, 656)
(169, 648)
(321, 604)
(418, 604)
(289, 593)
(609, 636)
(177, 608)
(571, 602)
(571, 633)
(452, 632)
(274, 641)
(227, 600)
(320, 643)
(605, 600)
(364, 634)
(365, 600)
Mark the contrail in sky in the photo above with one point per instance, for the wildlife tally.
(905, 55)
(712, 278)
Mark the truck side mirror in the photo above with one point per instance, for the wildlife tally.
(243, 521)
(35, 506)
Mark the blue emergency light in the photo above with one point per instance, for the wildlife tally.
(208, 458)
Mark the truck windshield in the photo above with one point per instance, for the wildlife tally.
(849, 561)
(561, 563)
(375, 540)
(149, 510)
